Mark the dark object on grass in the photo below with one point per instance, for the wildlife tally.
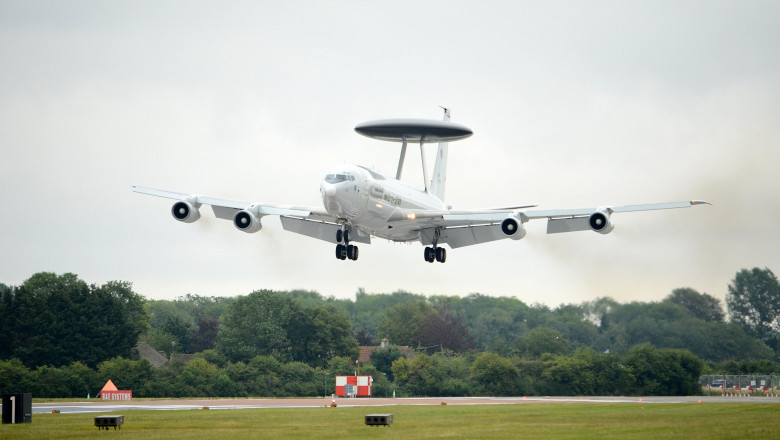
(379, 419)
(109, 421)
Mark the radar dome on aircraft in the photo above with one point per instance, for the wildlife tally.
(414, 130)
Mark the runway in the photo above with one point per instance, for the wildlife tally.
(98, 406)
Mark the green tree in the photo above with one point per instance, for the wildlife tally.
(570, 320)
(493, 375)
(403, 322)
(127, 374)
(363, 336)
(669, 325)
(205, 336)
(319, 334)
(240, 375)
(443, 327)
(6, 321)
(368, 310)
(180, 330)
(14, 377)
(300, 379)
(161, 341)
(341, 366)
(701, 305)
(663, 372)
(494, 322)
(265, 371)
(586, 372)
(256, 325)
(423, 375)
(56, 320)
(753, 302)
(383, 359)
(539, 341)
(200, 377)
(266, 323)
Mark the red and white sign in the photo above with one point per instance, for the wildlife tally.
(110, 392)
(353, 386)
(116, 395)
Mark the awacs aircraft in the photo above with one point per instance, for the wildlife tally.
(360, 203)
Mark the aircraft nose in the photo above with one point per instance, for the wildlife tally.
(330, 190)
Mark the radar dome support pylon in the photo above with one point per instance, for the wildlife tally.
(415, 130)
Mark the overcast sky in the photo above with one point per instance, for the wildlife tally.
(572, 104)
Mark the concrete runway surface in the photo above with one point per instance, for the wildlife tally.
(98, 406)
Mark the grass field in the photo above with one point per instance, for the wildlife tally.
(527, 421)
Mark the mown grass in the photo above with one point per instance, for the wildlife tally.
(528, 421)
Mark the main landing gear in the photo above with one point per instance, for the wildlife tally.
(435, 253)
(346, 250)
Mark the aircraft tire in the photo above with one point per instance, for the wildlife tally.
(441, 255)
(339, 235)
(341, 252)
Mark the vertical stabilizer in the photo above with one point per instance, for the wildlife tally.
(439, 178)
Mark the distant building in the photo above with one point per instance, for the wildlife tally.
(366, 350)
(146, 351)
(158, 358)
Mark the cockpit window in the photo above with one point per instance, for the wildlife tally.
(336, 178)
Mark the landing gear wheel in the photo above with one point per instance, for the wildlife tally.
(429, 254)
(341, 252)
(346, 235)
(441, 255)
(352, 252)
(339, 236)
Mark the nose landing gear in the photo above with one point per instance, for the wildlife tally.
(346, 250)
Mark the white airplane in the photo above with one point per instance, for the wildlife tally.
(360, 203)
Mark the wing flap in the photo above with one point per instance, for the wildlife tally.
(319, 230)
(557, 225)
(224, 213)
(471, 235)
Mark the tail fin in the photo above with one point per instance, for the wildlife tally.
(439, 178)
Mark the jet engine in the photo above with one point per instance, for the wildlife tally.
(599, 221)
(247, 221)
(512, 228)
(185, 211)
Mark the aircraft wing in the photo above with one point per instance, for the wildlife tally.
(465, 228)
(310, 221)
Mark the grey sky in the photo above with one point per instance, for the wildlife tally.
(573, 104)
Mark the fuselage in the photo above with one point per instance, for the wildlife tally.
(366, 200)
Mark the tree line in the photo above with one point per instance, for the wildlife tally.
(56, 327)
(59, 319)
(644, 370)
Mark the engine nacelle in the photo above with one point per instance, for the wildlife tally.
(247, 221)
(599, 221)
(184, 211)
(512, 228)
